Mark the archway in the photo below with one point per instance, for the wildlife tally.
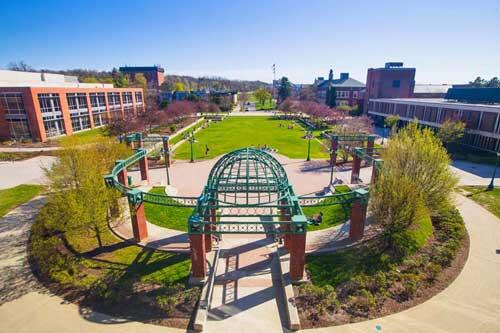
(243, 186)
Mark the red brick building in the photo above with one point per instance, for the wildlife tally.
(349, 91)
(391, 81)
(155, 75)
(39, 106)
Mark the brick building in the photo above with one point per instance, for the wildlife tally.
(391, 81)
(155, 75)
(482, 120)
(39, 106)
(349, 90)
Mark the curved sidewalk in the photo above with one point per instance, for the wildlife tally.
(470, 303)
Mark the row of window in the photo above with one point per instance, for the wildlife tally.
(474, 120)
(50, 107)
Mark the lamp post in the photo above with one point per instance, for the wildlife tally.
(191, 141)
(166, 153)
(332, 151)
(309, 137)
(383, 133)
(491, 186)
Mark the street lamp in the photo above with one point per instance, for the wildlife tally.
(491, 186)
(383, 133)
(191, 141)
(332, 151)
(309, 137)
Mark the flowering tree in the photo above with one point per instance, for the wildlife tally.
(289, 107)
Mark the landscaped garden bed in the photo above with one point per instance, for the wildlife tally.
(365, 282)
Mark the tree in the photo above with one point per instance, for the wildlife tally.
(352, 126)
(391, 122)
(451, 132)
(285, 89)
(331, 97)
(289, 107)
(121, 80)
(89, 79)
(413, 180)
(81, 202)
(20, 66)
(479, 82)
(179, 86)
(243, 99)
(262, 95)
(140, 81)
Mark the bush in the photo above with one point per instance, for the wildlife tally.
(321, 299)
(362, 303)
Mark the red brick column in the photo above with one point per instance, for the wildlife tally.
(297, 256)
(356, 167)
(369, 146)
(122, 177)
(358, 217)
(143, 164)
(285, 216)
(198, 261)
(334, 143)
(139, 226)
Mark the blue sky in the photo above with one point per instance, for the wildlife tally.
(447, 41)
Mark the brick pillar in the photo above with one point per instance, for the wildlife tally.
(122, 177)
(91, 112)
(333, 156)
(143, 164)
(369, 145)
(356, 167)
(198, 261)
(285, 216)
(139, 226)
(358, 217)
(297, 256)
(208, 236)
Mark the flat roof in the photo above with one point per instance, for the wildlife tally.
(141, 69)
(422, 88)
(440, 102)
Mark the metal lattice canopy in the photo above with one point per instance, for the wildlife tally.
(248, 192)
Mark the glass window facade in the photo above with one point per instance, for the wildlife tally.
(127, 98)
(138, 97)
(50, 106)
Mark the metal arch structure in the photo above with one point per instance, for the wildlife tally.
(244, 186)
(336, 138)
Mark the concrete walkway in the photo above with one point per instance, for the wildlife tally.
(28, 171)
(470, 304)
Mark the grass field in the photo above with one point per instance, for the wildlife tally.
(12, 197)
(175, 218)
(332, 215)
(85, 137)
(488, 199)
(240, 132)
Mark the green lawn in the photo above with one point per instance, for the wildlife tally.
(85, 137)
(240, 132)
(332, 215)
(19, 156)
(267, 105)
(488, 199)
(12, 197)
(168, 217)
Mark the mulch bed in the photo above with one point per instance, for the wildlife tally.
(390, 306)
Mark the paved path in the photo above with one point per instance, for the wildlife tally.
(28, 171)
(26, 306)
(471, 303)
(247, 291)
(27, 149)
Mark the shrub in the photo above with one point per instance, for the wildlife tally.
(362, 303)
(322, 299)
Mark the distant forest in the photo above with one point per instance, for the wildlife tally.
(119, 80)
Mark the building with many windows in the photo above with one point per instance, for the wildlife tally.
(155, 75)
(482, 121)
(349, 91)
(38, 106)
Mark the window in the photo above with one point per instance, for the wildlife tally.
(50, 105)
(354, 94)
(54, 127)
(77, 102)
(98, 101)
(13, 104)
(127, 98)
(138, 97)
(79, 123)
(114, 100)
(396, 83)
(19, 129)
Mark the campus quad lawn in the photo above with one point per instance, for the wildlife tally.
(175, 218)
(488, 199)
(85, 137)
(12, 197)
(332, 215)
(240, 132)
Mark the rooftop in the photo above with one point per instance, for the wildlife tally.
(132, 69)
(431, 88)
(37, 79)
(439, 102)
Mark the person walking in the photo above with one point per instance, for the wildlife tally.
(207, 150)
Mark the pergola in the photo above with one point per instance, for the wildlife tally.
(248, 192)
